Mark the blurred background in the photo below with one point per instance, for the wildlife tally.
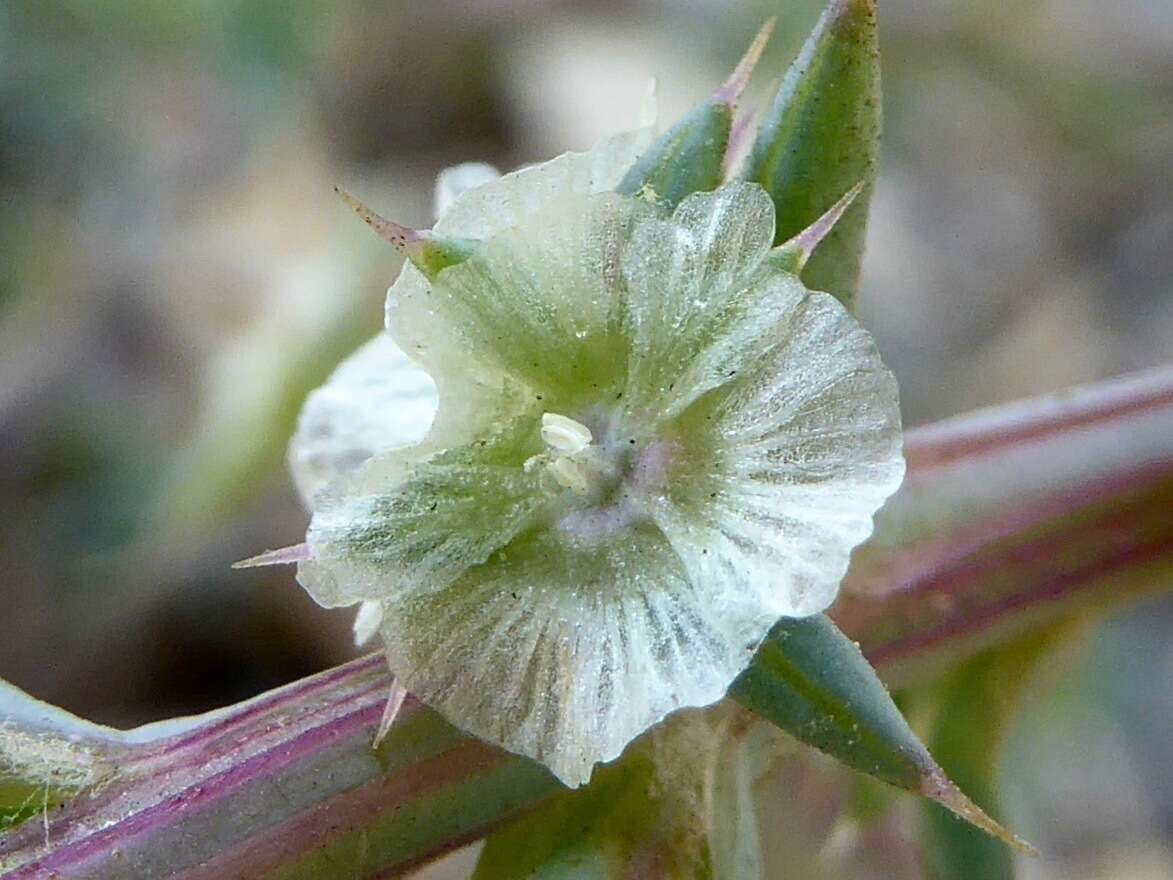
(176, 274)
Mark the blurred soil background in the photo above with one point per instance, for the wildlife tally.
(176, 274)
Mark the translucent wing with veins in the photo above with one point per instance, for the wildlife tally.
(650, 445)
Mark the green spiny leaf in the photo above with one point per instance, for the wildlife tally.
(821, 136)
(688, 157)
(813, 682)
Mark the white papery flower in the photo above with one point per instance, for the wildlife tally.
(651, 443)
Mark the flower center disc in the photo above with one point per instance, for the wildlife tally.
(611, 482)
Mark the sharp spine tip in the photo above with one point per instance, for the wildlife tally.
(937, 786)
(399, 237)
(736, 148)
(731, 89)
(801, 246)
(283, 556)
(396, 696)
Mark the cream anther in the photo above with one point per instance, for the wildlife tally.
(565, 435)
(571, 475)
